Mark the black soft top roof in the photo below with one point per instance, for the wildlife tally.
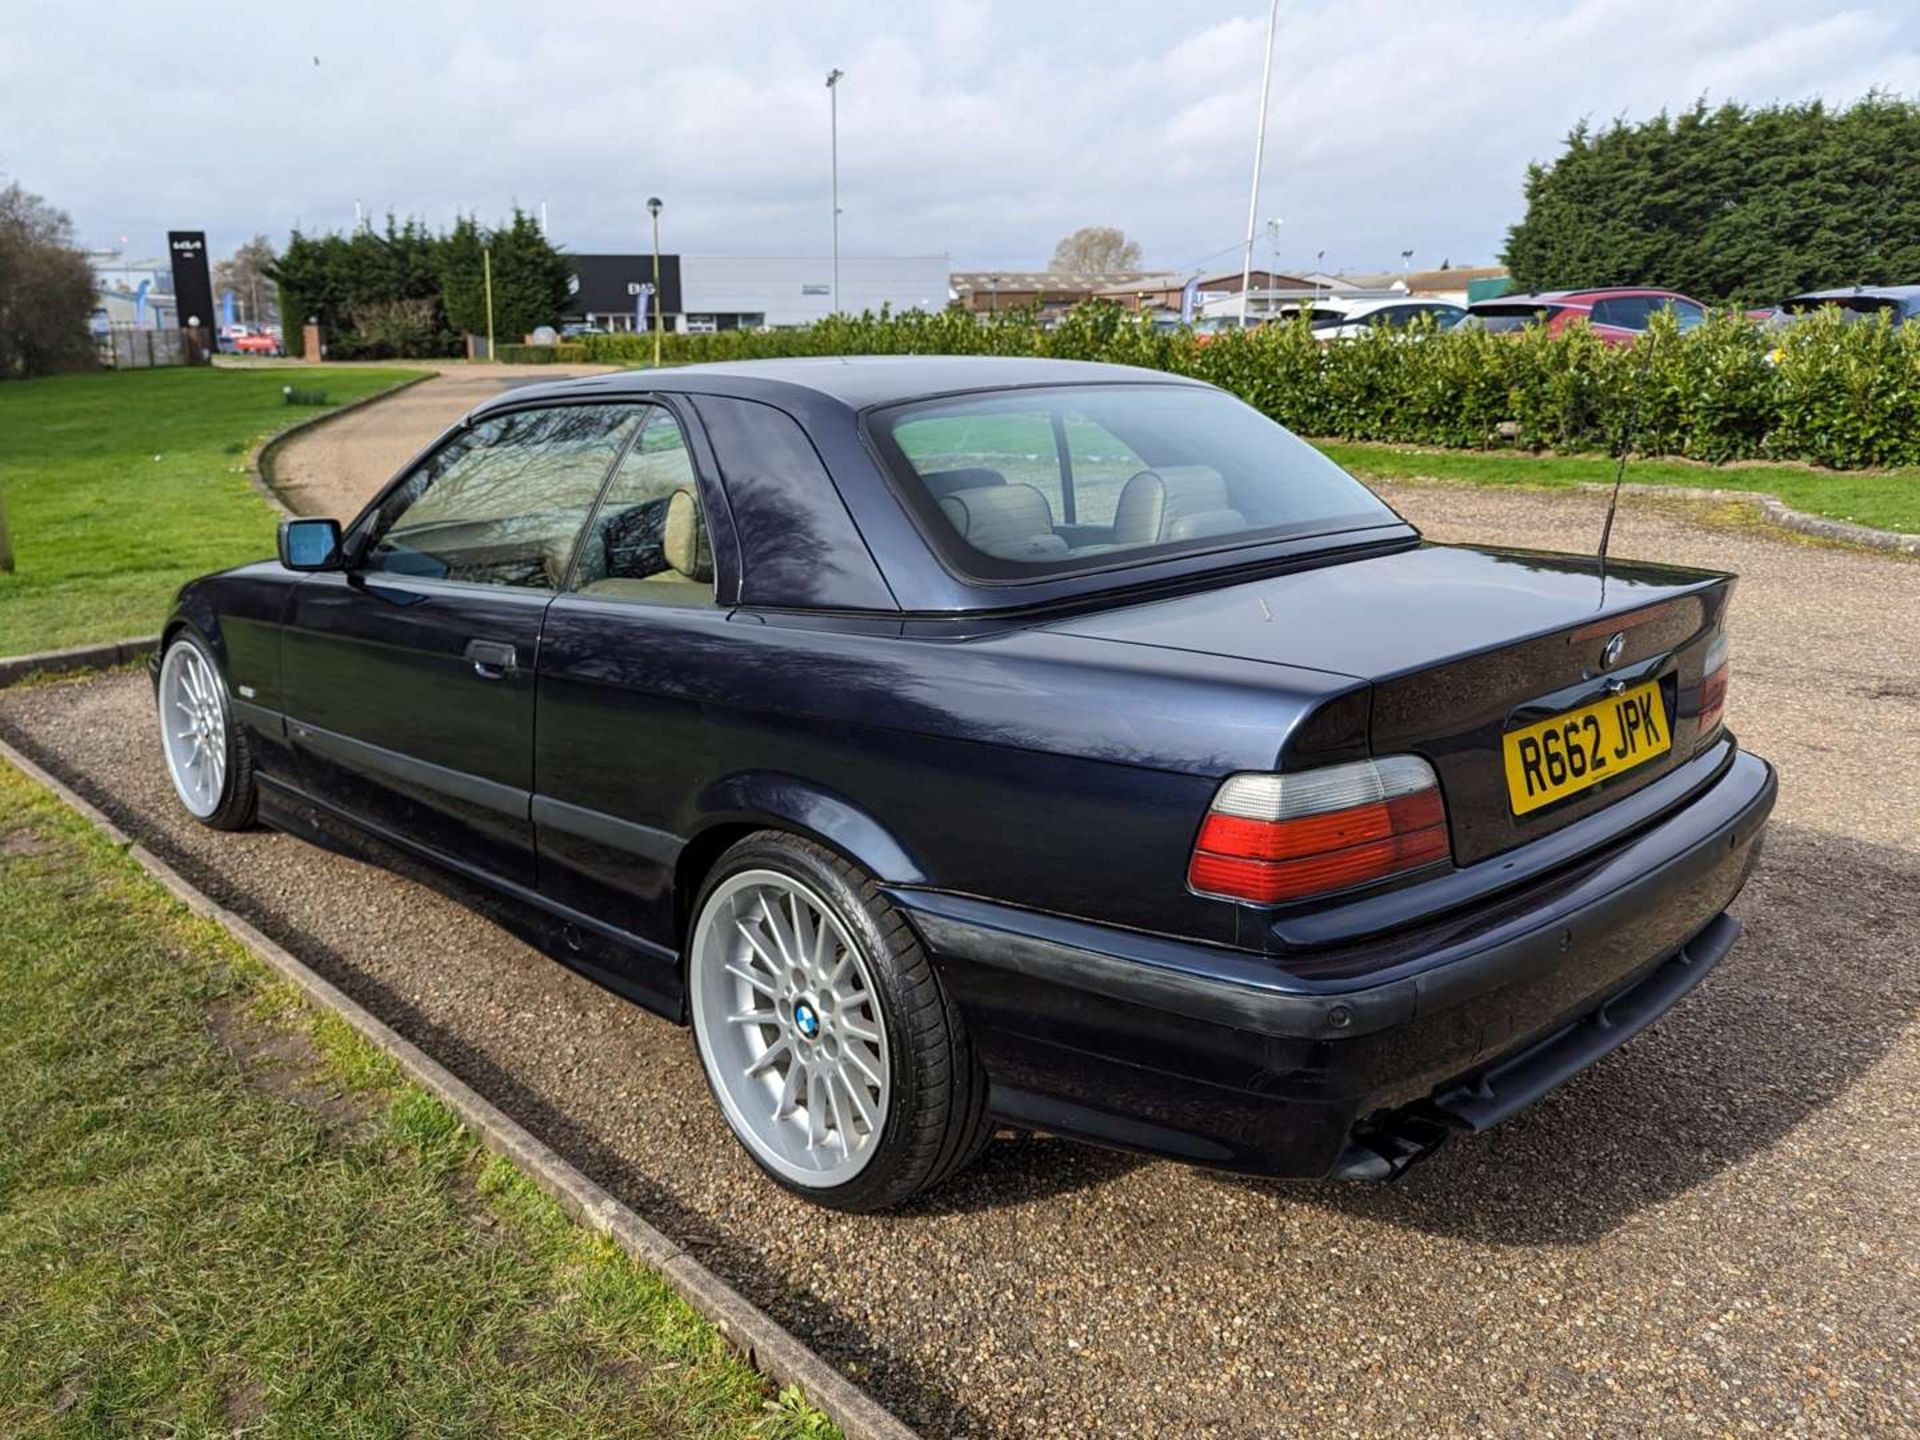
(859, 382)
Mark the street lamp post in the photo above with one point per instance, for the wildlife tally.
(653, 209)
(833, 144)
(486, 270)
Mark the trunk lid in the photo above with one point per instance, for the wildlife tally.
(1460, 645)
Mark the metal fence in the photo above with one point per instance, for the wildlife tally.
(130, 347)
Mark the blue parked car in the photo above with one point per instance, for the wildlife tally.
(969, 742)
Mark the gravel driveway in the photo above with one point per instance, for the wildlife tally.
(1715, 1231)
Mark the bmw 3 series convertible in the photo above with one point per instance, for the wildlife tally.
(956, 743)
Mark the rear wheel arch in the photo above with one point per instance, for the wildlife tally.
(789, 807)
(768, 800)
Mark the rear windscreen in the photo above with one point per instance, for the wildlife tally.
(1854, 307)
(1015, 484)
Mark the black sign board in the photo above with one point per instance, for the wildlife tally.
(192, 282)
(610, 284)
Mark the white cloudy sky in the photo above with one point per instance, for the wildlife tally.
(983, 129)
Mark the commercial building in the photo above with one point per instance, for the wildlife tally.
(1049, 292)
(1461, 284)
(706, 293)
(133, 292)
(1158, 293)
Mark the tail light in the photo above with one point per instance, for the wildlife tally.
(1269, 838)
(1713, 690)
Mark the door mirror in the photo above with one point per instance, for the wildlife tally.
(310, 544)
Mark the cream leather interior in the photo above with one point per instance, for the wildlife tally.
(1176, 502)
(685, 541)
(1011, 521)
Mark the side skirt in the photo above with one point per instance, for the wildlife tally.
(633, 968)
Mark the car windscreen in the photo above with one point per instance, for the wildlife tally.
(1020, 484)
(1504, 319)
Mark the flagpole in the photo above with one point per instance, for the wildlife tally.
(1259, 152)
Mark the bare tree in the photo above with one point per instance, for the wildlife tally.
(1095, 248)
(247, 273)
(46, 289)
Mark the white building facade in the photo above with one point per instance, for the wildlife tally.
(743, 292)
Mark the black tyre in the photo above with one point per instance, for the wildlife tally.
(207, 755)
(828, 1043)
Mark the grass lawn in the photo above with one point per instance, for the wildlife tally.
(1888, 499)
(122, 484)
(222, 1214)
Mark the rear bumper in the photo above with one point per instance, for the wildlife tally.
(1220, 1057)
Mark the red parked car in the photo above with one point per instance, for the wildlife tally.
(246, 340)
(1617, 315)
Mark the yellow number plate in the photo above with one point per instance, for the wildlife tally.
(1555, 758)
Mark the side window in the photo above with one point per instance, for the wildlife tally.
(1626, 312)
(502, 503)
(1686, 314)
(648, 540)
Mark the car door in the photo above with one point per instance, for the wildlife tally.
(628, 677)
(409, 676)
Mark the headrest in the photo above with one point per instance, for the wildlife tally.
(1194, 483)
(1153, 500)
(684, 541)
(1202, 523)
(555, 551)
(1011, 521)
(942, 483)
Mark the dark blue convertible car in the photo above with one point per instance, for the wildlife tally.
(963, 742)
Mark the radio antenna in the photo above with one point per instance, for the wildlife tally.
(1626, 447)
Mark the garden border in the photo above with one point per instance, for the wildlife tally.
(766, 1344)
(1776, 511)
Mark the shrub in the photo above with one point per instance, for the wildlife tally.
(1824, 390)
(562, 354)
(390, 329)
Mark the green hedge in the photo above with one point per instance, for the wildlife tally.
(567, 354)
(1826, 391)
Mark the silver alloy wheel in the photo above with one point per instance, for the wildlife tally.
(193, 727)
(790, 1028)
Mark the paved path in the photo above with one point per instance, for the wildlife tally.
(334, 469)
(1715, 1231)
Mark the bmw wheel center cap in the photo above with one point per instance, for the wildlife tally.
(805, 1019)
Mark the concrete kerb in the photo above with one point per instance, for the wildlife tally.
(104, 656)
(260, 458)
(766, 1344)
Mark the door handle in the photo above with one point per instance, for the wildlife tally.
(492, 659)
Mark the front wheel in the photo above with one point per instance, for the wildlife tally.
(834, 1055)
(207, 755)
